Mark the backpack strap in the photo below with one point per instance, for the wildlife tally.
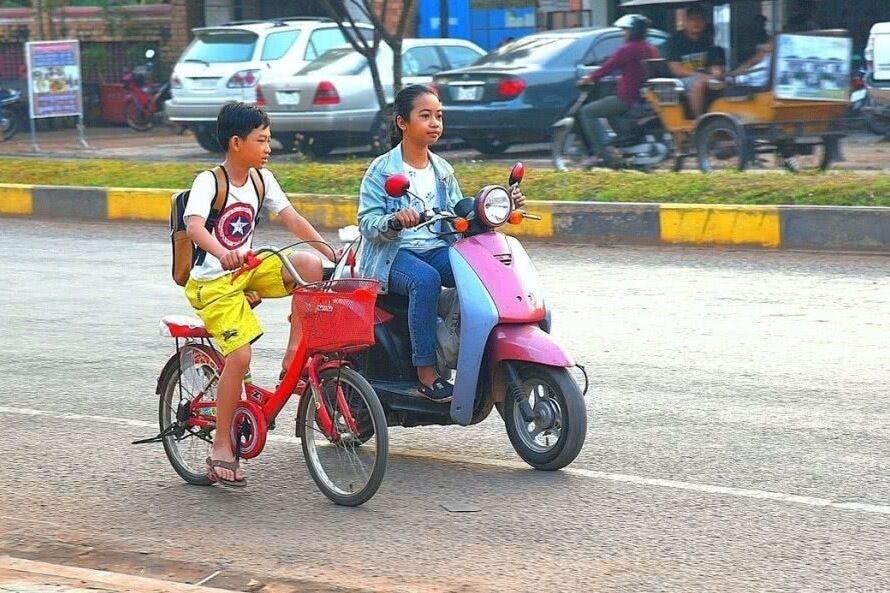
(259, 186)
(222, 192)
(221, 179)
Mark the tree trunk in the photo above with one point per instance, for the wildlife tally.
(397, 66)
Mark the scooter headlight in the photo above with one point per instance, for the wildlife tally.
(493, 206)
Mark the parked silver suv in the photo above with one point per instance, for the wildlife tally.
(226, 62)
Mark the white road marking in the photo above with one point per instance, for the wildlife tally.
(781, 497)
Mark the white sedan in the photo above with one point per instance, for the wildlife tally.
(331, 102)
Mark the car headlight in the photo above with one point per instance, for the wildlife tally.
(493, 206)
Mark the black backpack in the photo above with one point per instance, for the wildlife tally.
(185, 253)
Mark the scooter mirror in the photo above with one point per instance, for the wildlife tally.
(149, 53)
(397, 185)
(516, 174)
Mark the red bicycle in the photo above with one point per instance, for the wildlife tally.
(340, 421)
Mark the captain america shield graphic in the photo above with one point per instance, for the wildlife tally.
(234, 225)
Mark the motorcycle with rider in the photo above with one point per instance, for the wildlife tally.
(637, 139)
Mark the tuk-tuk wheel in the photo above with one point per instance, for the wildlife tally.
(720, 145)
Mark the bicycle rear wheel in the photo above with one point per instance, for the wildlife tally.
(347, 465)
(187, 414)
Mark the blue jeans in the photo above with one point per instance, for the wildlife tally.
(420, 276)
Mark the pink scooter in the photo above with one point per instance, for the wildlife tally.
(505, 357)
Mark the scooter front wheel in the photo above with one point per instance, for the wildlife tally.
(549, 431)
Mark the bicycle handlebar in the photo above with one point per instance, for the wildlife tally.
(252, 261)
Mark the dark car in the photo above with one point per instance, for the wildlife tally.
(515, 94)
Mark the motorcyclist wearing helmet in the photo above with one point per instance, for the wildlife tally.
(630, 59)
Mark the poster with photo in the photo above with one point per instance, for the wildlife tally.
(54, 78)
(813, 68)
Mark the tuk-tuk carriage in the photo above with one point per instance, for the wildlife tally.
(790, 112)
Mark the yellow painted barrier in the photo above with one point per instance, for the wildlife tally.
(720, 225)
(139, 204)
(16, 199)
(324, 211)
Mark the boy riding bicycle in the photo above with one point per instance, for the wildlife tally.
(221, 301)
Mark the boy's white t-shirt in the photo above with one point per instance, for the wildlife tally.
(237, 220)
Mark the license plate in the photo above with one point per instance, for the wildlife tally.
(205, 83)
(467, 93)
(288, 97)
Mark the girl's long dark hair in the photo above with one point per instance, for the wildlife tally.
(403, 105)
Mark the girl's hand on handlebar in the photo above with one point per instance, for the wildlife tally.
(518, 197)
(232, 260)
(407, 217)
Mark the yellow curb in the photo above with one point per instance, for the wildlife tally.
(33, 572)
(16, 199)
(720, 225)
(138, 204)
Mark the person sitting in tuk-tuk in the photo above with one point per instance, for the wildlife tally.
(754, 74)
(693, 57)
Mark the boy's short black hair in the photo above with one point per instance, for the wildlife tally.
(238, 119)
(696, 10)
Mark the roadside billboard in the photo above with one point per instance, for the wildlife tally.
(54, 80)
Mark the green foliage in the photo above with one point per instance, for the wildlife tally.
(836, 188)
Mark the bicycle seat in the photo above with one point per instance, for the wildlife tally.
(183, 326)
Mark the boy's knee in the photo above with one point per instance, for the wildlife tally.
(308, 265)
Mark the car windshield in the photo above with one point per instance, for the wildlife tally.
(536, 50)
(213, 47)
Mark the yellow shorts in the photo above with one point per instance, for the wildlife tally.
(222, 306)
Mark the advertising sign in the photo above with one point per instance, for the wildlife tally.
(54, 78)
(813, 68)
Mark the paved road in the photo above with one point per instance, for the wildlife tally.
(738, 435)
(862, 151)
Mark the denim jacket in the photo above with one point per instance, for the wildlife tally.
(375, 209)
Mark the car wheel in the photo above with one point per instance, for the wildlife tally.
(207, 139)
(315, 147)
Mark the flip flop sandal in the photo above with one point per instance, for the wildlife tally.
(232, 466)
(441, 391)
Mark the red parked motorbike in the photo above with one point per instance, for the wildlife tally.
(144, 97)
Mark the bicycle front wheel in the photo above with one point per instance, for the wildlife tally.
(344, 437)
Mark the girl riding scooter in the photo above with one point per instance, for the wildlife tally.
(406, 261)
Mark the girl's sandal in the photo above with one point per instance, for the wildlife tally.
(441, 391)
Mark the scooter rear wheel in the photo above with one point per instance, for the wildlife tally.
(138, 118)
(553, 439)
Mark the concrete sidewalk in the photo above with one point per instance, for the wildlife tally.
(28, 576)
